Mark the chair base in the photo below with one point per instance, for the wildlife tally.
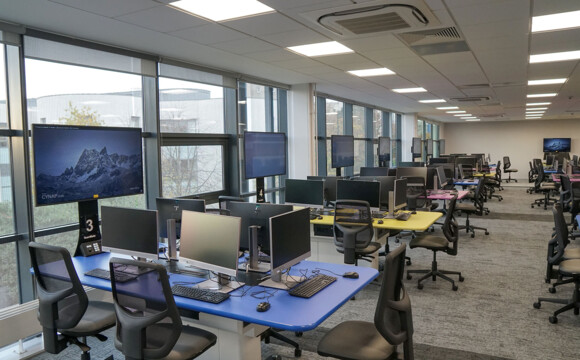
(470, 228)
(569, 304)
(545, 201)
(435, 273)
(273, 333)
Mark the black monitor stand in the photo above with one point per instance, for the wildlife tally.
(338, 171)
(253, 263)
(260, 195)
(385, 162)
(89, 242)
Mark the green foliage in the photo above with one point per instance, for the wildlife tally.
(83, 116)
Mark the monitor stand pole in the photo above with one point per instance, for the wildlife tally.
(89, 229)
(171, 240)
(338, 171)
(253, 263)
(260, 196)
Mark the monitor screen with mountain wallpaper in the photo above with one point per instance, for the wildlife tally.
(78, 163)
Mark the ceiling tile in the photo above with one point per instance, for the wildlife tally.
(477, 12)
(294, 38)
(163, 19)
(271, 23)
(109, 8)
(208, 34)
(297, 64)
(460, 68)
(555, 41)
(273, 55)
(244, 46)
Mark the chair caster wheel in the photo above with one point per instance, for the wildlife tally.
(537, 305)
(409, 263)
(420, 286)
(532, 206)
(298, 333)
(553, 320)
(576, 311)
(472, 236)
(454, 287)
(461, 278)
(409, 277)
(487, 233)
(297, 353)
(552, 290)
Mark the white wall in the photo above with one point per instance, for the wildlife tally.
(520, 140)
(301, 130)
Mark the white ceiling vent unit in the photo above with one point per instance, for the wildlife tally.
(374, 17)
(471, 99)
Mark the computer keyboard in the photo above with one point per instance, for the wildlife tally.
(210, 296)
(312, 286)
(378, 214)
(403, 216)
(106, 274)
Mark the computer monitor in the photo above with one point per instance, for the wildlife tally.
(429, 146)
(384, 150)
(387, 185)
(130, 232)
(441, 146)
(169, 219)
(289, 244)
(211, 242)
(330, 189)
(412, 172)
(374, 171)
(369, 191)
(264, 155)
(557, 144)
(307, 193)
(438, 160)
(442, 181)
(255, 224)
(430, 181)
(575, 160)
(416, 147)
(397, 200)
(466, 160)
(342, 151)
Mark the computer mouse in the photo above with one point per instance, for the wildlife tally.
(413, 212)
(263, 306)
(350, 275)
(380, 222)
(320, 217)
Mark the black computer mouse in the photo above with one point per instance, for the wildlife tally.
(380, 222)
(263, 306)
(320, 217)
(413, 212)
(350, 275)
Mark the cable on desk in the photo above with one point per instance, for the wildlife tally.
(264, 294)
(317, 271)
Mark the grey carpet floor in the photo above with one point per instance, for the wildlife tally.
(490, 317)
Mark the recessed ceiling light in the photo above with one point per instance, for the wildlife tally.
(473, 120)
(540, 108)
(321, 49)
(533, 117)
(468, 117)
(447, 108)
(547, 81)
(371, 72)
(220, 10)
(456, 111)
(542, 95)
(410, 90)
(559, 21)
(432, 101)
(534, 112)
(538, 104)
(559, 56)
(462, 115)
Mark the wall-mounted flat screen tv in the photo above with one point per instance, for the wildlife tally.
(342, 150)
(557, 144)
(78, 163)
(265, 154)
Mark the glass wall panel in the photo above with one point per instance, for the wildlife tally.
(334, 126)
(6, 208)
(358, 130)
(8, 275)
(189, 170)
(189, 107)
(75, 95)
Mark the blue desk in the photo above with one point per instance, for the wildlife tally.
(236, 321)
(467, 182)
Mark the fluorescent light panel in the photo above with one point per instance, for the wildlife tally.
(547, 81)
(410, 90)
(468, 117)
(552, 57)
(447, 108)
(456, 112)
(473, 120)
(432, 101)
(221, 10)
(462, 115)
(321, 49)
(540, 108)
(559, 21)
(534, 112)
(538, 104)
(372, 72)
(542, 95)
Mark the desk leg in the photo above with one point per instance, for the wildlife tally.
(236, 340)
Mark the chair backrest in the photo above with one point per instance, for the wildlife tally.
(352, 228)
(479, 196)
(148, 321)
(506, 163)
(416, 192)
(498, 171)
(550, 159)
(540, 178)
(451, 227)
(393, 318)
(62, 299)
(561, 234)
(565, 191)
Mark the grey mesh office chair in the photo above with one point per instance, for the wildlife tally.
(64, 310)
(353, 230)
(447, 244)
(475, 208)
(393, 322)
(148, 321)
(508, 169)
(544, 187)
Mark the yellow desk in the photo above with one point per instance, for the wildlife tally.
(490, 174)
(420, 221)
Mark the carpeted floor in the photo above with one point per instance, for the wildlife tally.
(490, 317)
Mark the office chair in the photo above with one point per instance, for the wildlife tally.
(64, 310)
(544, 187)
(393, 322)
(476, 207)
(493, 184)
(447, 244)
(566, 269)
(148, 321)
(532, 174)
(507, 169)
(417, 194)
(353, 231)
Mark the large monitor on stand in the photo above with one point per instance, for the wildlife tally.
(416, 148)
(210, 242)
(169, 219)
(384, 151)
(130, 232)
(289, 244)
(264, 155)
(255, 235)
(83, 164)
(342, 152)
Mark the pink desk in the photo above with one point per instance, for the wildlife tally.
(446, 194)
(573, 178)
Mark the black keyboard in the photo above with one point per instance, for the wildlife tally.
(311, 286)
(403, 216)
(378, 214)
(210, 296)
(105, 274)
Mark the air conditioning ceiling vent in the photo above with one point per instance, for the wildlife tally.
(471, 99)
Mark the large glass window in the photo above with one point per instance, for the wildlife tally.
(358, 130)
(334, 126)
(76, 95)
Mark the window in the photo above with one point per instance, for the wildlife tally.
(334, 126)
(359, 132)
